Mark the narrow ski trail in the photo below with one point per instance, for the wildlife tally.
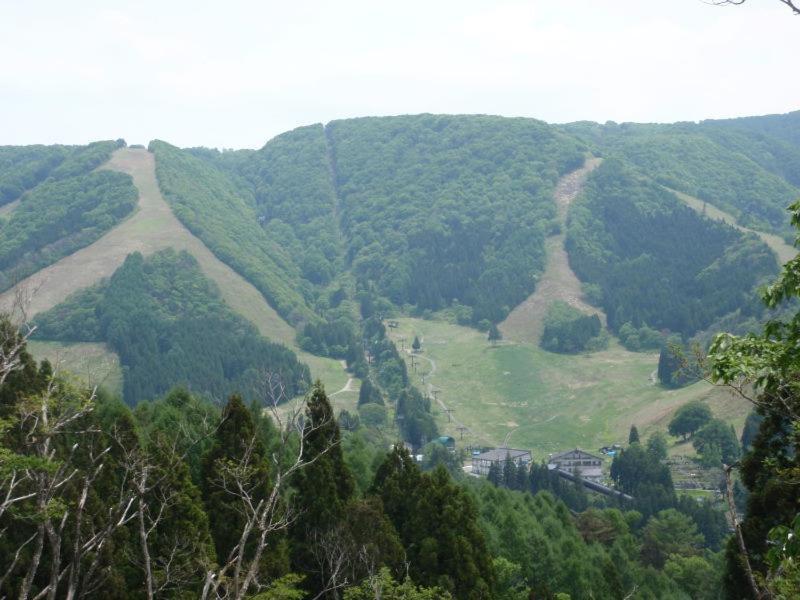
(526, 322)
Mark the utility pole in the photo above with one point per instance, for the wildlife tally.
(461, 429)
(449, 412)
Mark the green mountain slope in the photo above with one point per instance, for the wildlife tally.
(784, 127)
(656, 260)
(438, 209)
(213, 209)
(722, 169)
(169, 326)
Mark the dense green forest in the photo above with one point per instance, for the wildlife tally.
(58, 217)
(63, 205)
(180, 483)
(189, 485)
(214, 209)
(23, 167)
(739, 173)
(439, 208)
(170, 327)
(657, 261)
(568, 330)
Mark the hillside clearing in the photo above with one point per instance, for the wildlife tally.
(526, 322)
(543, 401)
(94, 363)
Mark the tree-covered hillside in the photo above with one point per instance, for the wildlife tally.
(440, 208)
(60, 216)
(23, 167)
(170, 327)
(296, 199)
(64, 205)
(657, 261)
(717, 166)
(784, 127)
(214, 209)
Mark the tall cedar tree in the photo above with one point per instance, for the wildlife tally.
(323, 487)
(438, 524)
(633, 436)
(234, 437)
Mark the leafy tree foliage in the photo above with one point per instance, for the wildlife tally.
(234, 438)
(669, 532)
(641, 474)
(170, 326)
(640, 339)
(697, 160)
(23, 167)
(657, 261)
(676, 366)
(716, 442)
(437, 523)
(60, 216)
(464, 539)
(568, 330)
(199, 194)
(369, 394)
(689, 418)
(657, 446)
(296, 199)
(439, 208)
(383, 585)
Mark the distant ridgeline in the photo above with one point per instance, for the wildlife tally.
(64, 204)
(170, 327)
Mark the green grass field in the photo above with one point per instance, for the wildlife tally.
(93, 363)
(543, 401)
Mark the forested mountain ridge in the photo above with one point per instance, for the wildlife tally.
(751, 175)
(346, 230)
(419, 214)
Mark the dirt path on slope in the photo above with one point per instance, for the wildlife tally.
(526, 322)
(785, 251)
(150, 228)
(7, 209)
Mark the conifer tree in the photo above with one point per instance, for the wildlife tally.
(495, 474)
(509, 472)
(235, 438)
(494, 334)
(324, 486)
(416, 344)
(633, 436)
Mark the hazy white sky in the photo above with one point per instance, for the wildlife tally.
(235, 73)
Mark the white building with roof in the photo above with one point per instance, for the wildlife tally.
(578, 462)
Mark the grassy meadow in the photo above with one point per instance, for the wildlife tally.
(94, 363)
(519, 393)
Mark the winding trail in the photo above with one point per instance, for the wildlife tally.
(526, 322)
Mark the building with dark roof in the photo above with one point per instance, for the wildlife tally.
(483, 462)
